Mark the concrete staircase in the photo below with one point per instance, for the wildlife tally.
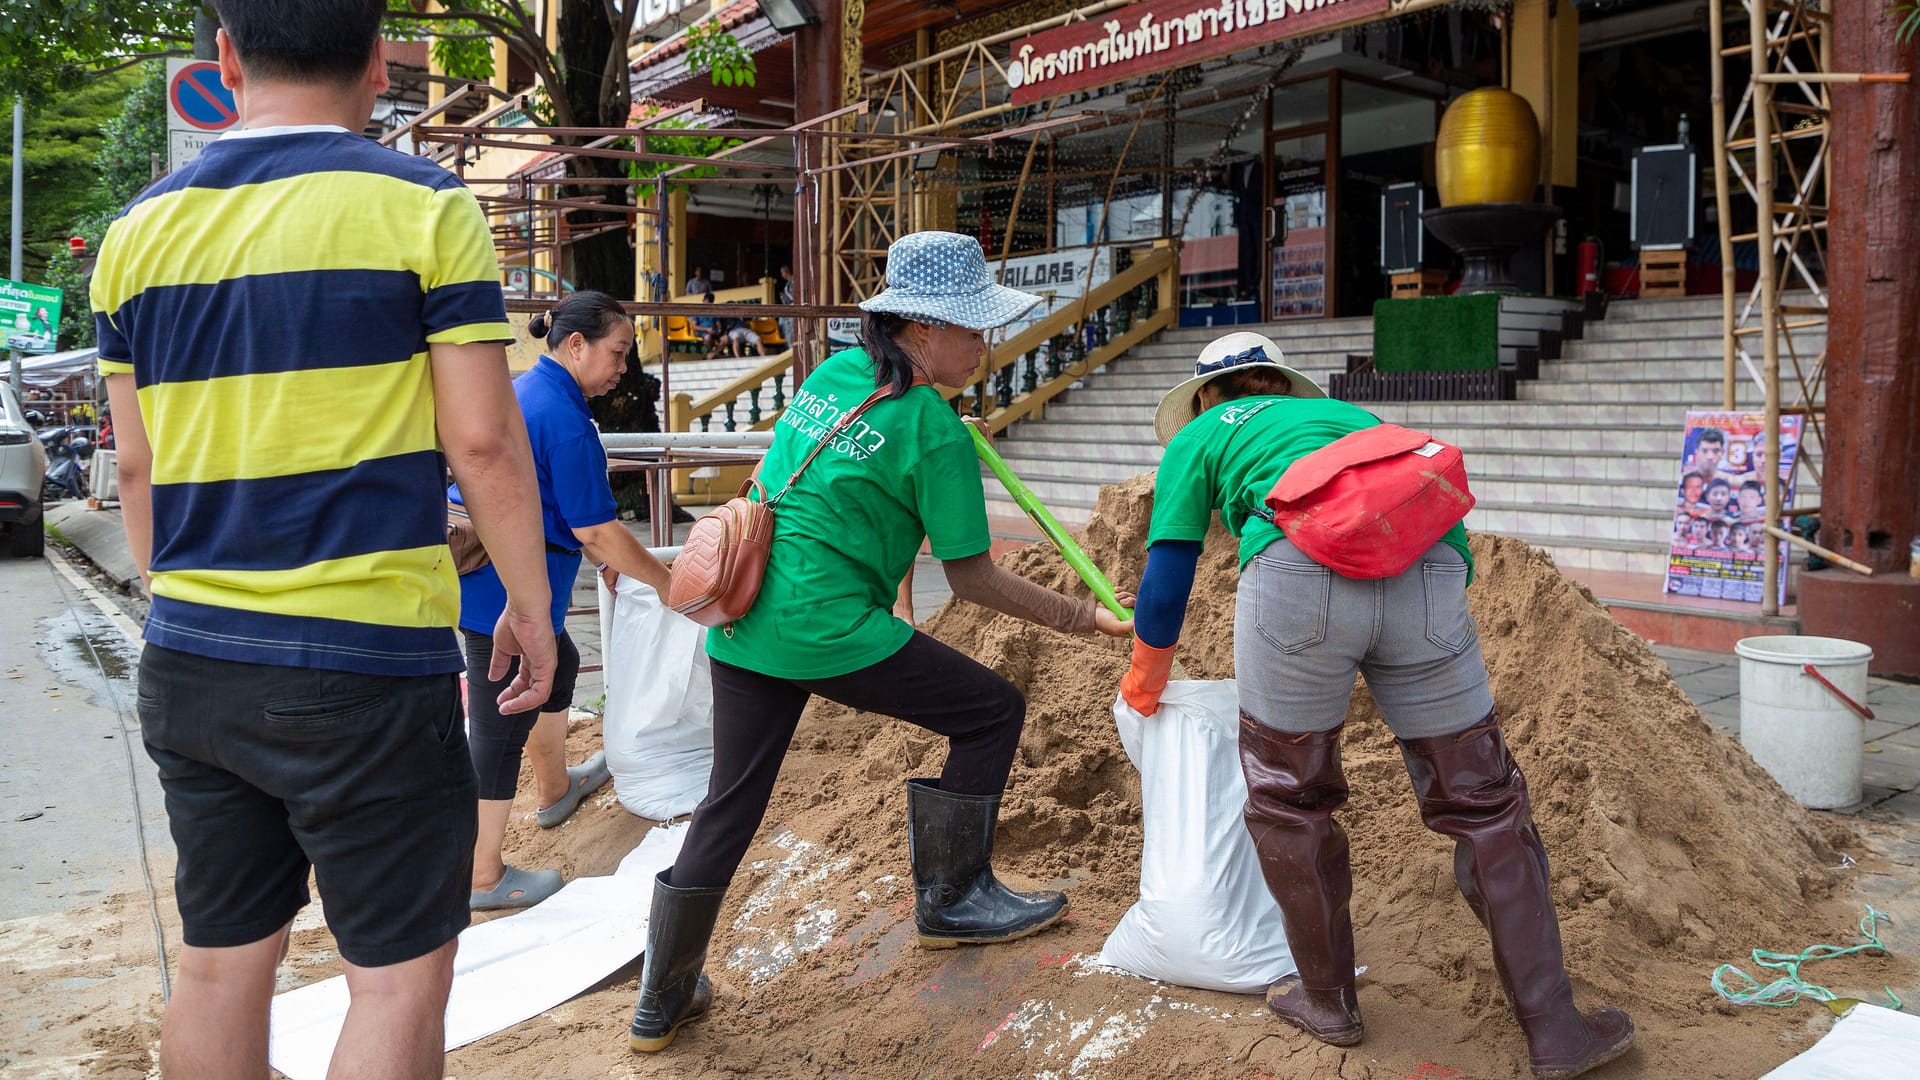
(1584, 465)
(696, 376)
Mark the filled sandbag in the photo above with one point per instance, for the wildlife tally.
(658, 726)
(1204, 917)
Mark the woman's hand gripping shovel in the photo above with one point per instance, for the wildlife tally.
(1056, 533)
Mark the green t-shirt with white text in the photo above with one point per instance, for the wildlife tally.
(846, 535)
(1229, 457)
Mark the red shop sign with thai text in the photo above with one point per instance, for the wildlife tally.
(1157, 35)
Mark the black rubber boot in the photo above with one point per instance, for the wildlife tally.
(672, 989)
(956, 898)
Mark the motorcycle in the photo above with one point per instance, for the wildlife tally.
(68, 451)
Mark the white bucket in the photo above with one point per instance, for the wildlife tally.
(1798, 730)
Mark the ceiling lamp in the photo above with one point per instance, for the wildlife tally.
(788, 16)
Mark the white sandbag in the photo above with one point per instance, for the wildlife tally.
(658, 727)
(1204, 917)
(1868, 1043)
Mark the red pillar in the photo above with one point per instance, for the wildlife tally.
(1870, 491)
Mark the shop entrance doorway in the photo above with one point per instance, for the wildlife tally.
(1335, 140)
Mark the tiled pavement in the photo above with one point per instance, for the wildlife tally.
(1892, 773)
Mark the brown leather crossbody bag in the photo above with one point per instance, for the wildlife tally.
(718, 572)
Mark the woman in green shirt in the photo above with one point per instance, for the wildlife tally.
(845, 535)
(1300, 633)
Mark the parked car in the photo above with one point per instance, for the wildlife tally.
(23, 466)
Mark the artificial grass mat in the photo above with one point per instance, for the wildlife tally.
(1437, 333)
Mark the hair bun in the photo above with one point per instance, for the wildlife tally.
(538, 326)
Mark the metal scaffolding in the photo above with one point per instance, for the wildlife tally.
(1781, 127)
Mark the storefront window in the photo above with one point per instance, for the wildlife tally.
(1298, 226)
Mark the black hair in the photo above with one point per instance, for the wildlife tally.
(1718, 481)
(1713, 435)
(592, 315)
(1253, 382)
(303, 41)
(706, 297)
(880, 335)
(1754, 485)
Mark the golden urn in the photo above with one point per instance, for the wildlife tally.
(1489, 149)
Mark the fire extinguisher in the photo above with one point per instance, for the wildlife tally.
(1589, 263)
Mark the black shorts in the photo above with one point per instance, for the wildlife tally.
(271, 770)
(483, 694)
(496, 739)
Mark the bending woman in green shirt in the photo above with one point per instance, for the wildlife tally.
(1300, 633)
(844, 536)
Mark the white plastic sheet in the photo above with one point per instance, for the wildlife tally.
(507, 970)
(658, 727)
(1204, 917)
(1869, 1043)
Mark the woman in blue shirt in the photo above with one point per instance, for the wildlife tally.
(588, 339)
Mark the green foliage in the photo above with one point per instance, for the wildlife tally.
(63, 136)
(51, 46)
(88, 154)
(461, 46)
(464, 57)
(714, 52)
(692, 145)
(129, 141)
(1909, 27)
(76, 314)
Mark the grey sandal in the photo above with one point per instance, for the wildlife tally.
(517, 889)
(584, 779)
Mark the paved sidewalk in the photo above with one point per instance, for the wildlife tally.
(1892, 775)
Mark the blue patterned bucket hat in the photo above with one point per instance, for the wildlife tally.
(942, 277)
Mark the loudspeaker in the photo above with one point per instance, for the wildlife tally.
(1402, 239)
(1664, 179)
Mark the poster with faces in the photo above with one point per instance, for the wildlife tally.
(1715, 549)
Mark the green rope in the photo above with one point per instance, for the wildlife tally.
(1789, 988)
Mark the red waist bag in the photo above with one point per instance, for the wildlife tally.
(1369, 504)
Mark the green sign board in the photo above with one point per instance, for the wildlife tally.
(29, 316)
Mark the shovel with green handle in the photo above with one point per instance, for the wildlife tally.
(1069, 550)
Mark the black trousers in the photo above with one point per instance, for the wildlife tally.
(925, 683)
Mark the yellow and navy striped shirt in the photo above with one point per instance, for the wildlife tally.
(274, 301)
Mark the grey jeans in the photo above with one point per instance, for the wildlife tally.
(1301, 632)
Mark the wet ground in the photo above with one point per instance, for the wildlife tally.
(74, 780)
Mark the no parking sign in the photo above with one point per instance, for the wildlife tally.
(198, 108)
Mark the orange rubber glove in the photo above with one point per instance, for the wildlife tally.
(1147, 677)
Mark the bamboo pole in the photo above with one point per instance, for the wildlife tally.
(1837, 76)
(1723, 200)
(1804, 544)
(1769, 294)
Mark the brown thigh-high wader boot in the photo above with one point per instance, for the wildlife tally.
(1470, 789)
(673, 991)
(1294, 784)
(956, 898)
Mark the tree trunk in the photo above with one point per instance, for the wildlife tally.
(585, 57)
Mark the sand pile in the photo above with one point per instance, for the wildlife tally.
(1672, 853)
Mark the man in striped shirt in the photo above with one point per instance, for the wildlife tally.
(299, 331)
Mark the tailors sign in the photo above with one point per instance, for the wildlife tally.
(1158, 35)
